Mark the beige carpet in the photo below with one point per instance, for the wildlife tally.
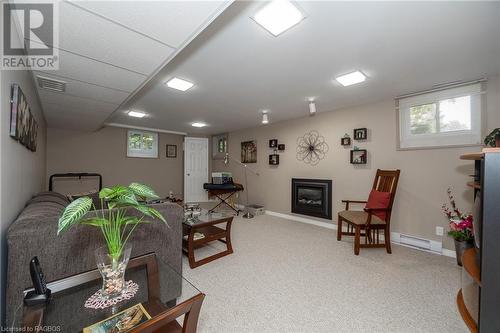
(287, 276)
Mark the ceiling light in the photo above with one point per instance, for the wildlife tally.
(136, 114)
(265, 117)
(179, 84)
(198, 124)
(278, 16)
(351, 78)
(312, 107)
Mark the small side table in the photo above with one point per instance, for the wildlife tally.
(208, 224)
(164, 294)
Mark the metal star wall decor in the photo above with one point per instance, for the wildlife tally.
(311, 148)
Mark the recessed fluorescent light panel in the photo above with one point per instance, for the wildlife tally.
(278, 16)
(198, 124)
(136, 114)
(351, 78)
(179, 84)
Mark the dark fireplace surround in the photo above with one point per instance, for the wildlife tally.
(312, 197)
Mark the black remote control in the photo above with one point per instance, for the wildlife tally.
(40, 294)
(37, 277)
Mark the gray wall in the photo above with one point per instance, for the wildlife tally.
(105, 152)
(23, 171)
(425, 174)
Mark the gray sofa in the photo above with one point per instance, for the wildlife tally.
(34, 233)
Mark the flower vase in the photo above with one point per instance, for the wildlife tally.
(460, 247)
(112, 269)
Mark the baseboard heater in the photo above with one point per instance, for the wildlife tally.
(417, 242)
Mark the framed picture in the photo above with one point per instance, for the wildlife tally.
(358, 156)
(219, 146)
(274, 159)
(23, 126)
(273, 143)
(281, 147)
(171, 151)
(346, 141)
(123, 321)
(360, 133)
(249, 152)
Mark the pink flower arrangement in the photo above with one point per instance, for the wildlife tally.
(460, 223)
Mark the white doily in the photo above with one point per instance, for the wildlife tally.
(96, 301)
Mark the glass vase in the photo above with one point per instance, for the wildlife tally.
(112, 269)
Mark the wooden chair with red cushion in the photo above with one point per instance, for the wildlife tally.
(376, 215)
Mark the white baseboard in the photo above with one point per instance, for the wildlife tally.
(449, 253)
(303, 220)
(436, 247)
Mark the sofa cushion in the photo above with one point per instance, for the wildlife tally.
(49, 197)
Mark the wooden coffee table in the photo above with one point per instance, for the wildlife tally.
(211, 226)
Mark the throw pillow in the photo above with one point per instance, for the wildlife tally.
(379, 200)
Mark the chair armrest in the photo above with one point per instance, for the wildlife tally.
(347, 202)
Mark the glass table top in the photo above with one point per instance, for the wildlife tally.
(204, 216)
(66, 312)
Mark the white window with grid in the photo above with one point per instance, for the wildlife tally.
(449, 117)
(142, 144)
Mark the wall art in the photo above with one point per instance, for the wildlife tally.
(311, 148)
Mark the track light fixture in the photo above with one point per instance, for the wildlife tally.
(312, 107)
(265, 118)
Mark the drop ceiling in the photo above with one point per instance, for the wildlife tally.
(110, 54)
(109, 49)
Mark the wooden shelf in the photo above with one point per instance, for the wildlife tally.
(475, 185)
(471, 324)
(472, 156)
(470, 264)
(478, 156)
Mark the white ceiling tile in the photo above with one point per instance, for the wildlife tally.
(59, 116)
(73, 103)
(171, 22)
(87, 34)
(86, 90)
(88, 70)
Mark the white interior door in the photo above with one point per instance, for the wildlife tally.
(195, 169)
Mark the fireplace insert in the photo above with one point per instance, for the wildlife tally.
(312, 197)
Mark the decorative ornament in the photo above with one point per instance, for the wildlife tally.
(311, 148)
(97, 301)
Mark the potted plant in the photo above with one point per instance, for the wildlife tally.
(116, 225)
(493, 139)
(460, 227)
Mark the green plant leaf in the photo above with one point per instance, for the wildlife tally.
(73, 213)
(131, 220)
(143, 191)
(124, 200)
(151, 212)
(105, 192)
(110, 193)
(95, 222)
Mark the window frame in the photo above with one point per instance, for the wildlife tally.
(460, 138)
(141, 152)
